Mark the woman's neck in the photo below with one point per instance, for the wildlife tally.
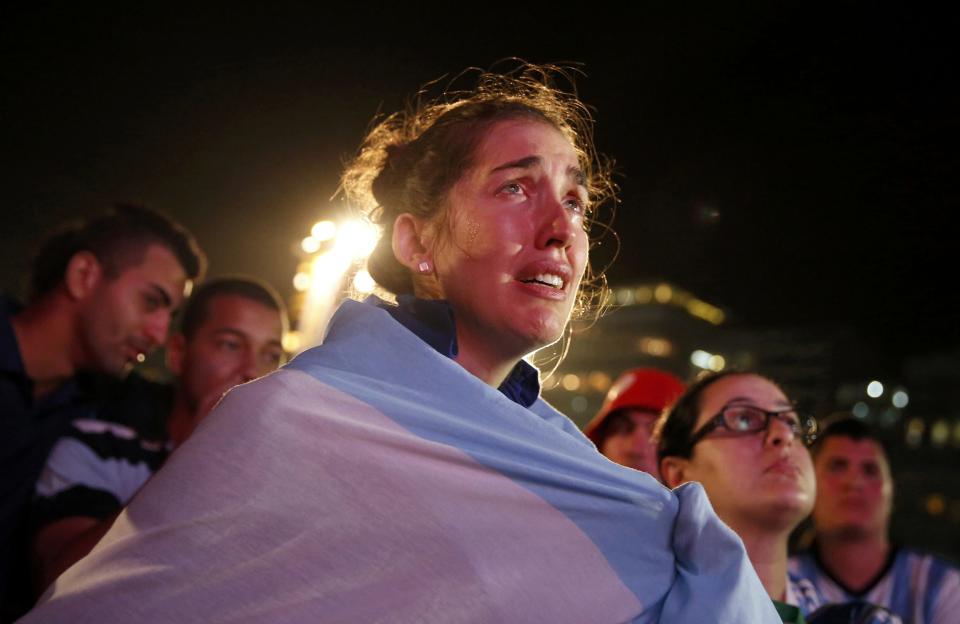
(477, 357)
(767, 551)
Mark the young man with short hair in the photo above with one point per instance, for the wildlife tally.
(102, 295)
(852, 557)
(231, 333)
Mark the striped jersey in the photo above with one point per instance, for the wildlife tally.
(920, 588)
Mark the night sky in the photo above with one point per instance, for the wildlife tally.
(823, 142)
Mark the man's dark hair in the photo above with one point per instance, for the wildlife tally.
(119, 239)
(846, 425)
(198, 305)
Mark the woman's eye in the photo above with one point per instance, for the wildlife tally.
(228, 345)
(512, 188)
(575, 204)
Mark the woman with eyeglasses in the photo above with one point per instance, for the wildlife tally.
(741, 437)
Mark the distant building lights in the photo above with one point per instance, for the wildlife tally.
(940, 433)
(915, 430)
(935, 504)
(625, 296)
(701, 359)
(861, 410)
(643, 294)
(716, 363)
(663, 293)
(900, 399)
(570, 382)
(599, 381)
(874, 389)
(656, 347)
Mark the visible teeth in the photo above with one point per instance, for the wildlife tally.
(549, 279)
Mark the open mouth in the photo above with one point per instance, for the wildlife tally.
(546, 279)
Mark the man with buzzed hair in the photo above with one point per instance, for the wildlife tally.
(231, 333)
(852, 557)
(102, 295)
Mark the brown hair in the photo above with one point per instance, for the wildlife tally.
(119, 240)
(410, 160)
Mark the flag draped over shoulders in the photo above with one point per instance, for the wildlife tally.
(375, 480)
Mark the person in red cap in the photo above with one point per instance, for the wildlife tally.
(622, 428)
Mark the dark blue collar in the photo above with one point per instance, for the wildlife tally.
(432, 321)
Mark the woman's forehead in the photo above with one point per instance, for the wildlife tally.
(514, 139)
(748, 389)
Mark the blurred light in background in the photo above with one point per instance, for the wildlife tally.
(861, 410)
(323, 230)
(875, 389)
(363, 283)
(708, 361)
(310, 245)
(570, 382)
(335, 252)
(900, 399)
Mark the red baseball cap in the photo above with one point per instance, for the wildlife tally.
(643, 388)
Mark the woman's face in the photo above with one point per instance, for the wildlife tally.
(511, 253)
(765, 476)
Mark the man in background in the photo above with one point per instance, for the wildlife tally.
(102, 295)
(623, 427)
(231, 333)
(852, 557)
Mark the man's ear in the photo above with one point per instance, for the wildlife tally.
(176, 353)
(672, 470)
(82, 274)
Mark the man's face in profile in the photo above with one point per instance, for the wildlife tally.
(124, 318)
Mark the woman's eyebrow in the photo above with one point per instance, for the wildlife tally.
(529, 162)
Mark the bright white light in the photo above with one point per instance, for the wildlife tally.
(700, 358)
(357, 239)
(900, 399)
(301, 281)
(874, 389)
(363, 282)
(291, 341)
(310, 245)
(323, 230)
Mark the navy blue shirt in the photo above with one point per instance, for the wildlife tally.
(29, 429)
(432, 321)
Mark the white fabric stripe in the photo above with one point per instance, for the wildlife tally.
(73, 463)
(252, 539)
(87, 425)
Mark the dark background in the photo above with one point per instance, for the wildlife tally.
(792, 163)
